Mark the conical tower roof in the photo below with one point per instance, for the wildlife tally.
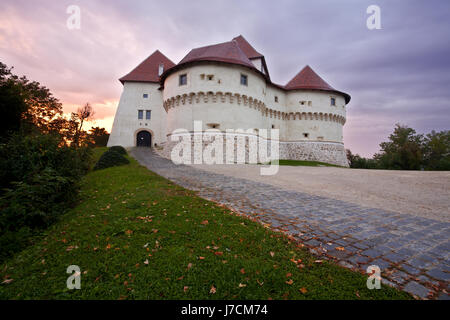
(148, 70)
(307, 79)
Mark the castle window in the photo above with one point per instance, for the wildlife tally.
(310, 103)
(210, 77)
(276, 99)
(140, 114)
(302, 103)
(148, 114)
(244, 80)
(306, 135)
(213, 125)
(145, 95)
(273, 126)
(183, 79)
(333, 101)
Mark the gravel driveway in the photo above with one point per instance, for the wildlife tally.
(421, 193)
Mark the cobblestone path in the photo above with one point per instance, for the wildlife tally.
(413, 253)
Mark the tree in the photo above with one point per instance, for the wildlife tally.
(99, 136)
(12, 103)
(356, 161)
(437, 150)
(403, 151)
(83, 113)
(26, 105)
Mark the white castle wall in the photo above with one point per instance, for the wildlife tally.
(225, 102)
(126, 123)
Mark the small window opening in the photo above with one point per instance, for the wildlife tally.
(333, 101)
(306, 135)
(244, 80)
(145, 95)
(183, 79)
(148, 114)
(140, 114)
(276, 99)
(210, 77)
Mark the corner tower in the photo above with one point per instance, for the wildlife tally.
(140, 118)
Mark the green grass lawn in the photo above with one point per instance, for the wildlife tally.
(135, 235)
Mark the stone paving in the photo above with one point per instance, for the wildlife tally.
(412, 252)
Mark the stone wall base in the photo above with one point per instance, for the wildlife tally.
(328, 152)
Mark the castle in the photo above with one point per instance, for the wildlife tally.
(227, 86)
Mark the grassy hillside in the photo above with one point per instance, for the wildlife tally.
(135, 235)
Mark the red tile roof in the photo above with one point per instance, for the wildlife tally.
(309, 80)
(148, 70)
(247, 48)
(228, 52)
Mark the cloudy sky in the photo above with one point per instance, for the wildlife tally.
(399, 74)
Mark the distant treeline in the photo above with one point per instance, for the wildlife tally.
(407, 150)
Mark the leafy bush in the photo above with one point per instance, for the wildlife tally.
(109, 159)
(118, 149)
(39, 178)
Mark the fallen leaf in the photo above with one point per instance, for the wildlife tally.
(289, 282)
(189, 265)
(205, 222)
(201, 258)
(218, 253)
(180, 278)
(243, 271)
(242, 285)
(272, 253)
(185, 288)
(146, 262)
(288, 275)
(213, 290)
(7, 281)
(303, 290)
(318, 261)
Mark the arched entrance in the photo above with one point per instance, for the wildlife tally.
(144, 139)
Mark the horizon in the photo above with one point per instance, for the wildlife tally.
(398, 74)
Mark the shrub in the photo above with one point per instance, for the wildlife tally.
(39, 178)
(110, 159)
(118, 149)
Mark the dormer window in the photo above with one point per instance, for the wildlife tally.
(333, 101)
(183, 80)
(160, 69)
(244, 80)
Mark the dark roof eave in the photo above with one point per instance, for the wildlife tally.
(188, 63)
